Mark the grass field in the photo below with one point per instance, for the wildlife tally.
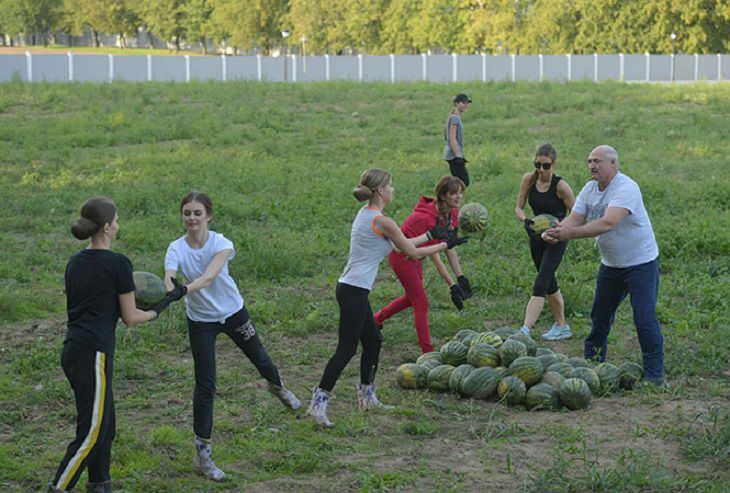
(279, 162)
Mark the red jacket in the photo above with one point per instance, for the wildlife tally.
(423, 218)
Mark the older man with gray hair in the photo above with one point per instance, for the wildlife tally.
(611, 207)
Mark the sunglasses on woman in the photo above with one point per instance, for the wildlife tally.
(544, 165)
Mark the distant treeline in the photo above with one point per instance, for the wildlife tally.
(386, 26)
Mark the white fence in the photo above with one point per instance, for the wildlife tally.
(389, 68)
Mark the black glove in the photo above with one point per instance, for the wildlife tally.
(459, 161)
(456, 297)
(453, 240)
(439, 232)
(528, 223)
(465, 287)
(173, 295)
(178, 291)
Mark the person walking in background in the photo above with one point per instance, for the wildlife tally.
(372, 237)
(611, 207)
(547, 193)
(214, 305)
(428, 213)
(99, 288)
(454, 136)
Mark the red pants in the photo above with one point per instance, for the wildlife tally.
(410, 275)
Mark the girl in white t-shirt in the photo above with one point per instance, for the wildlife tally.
(214, 305)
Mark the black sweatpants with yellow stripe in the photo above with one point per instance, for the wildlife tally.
(90, 374)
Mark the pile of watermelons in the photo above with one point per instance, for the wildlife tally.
(508, 366)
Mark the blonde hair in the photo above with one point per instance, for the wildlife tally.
(371, 180)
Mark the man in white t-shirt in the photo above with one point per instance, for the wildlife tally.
(611, 208)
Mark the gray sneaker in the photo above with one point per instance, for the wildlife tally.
(286, 396)
(557, 333)
(525, 330)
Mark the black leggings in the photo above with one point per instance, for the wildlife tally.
(241, 329)
(356, 325)
(458, 169)
(547, 258)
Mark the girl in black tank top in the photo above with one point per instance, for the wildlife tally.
(557, 199)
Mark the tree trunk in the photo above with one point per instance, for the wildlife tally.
(122, 40)
(96, 37)
(205, 46)
(177, 44)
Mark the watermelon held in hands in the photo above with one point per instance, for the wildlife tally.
(411, 376)
(473, 218)
(542, 223)
(148, 289)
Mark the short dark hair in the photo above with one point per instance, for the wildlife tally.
(548, 150)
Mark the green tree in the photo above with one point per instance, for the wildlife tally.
(398, 22)
(198, 23)
(496, 26)
(165, 18)
(31, 18)
(254, 24)
(439, 26)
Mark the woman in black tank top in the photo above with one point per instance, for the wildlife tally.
(546, 193)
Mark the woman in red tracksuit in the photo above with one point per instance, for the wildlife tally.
(427, 213)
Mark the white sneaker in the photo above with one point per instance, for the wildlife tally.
(204, 460)
(557, 333)
(318, 407)
(525, 330)
(286, 396)
(366, 398)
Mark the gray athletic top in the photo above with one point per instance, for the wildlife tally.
(454, 119)
(368, 247)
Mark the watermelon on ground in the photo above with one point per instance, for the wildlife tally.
(480, 383)
(564, 369)
(629, 375)
(510, 350)
(552, 378)
(511, 391)
(436, 355)
(578, 362)
(529, 343)
(430, 364)
(609, 376)
(438, 378)
(589, 376)
(458, 376)
(528, 369)
(542, 396)
(465, 335)
(148, 289)
(411, 376)
(505, 332)
(543, 350)
(483, 355)
(488, 338)
(575, 394)
(454, 353)
(473, 217)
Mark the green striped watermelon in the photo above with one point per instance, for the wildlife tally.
(148, 289)
(575, 394)
(609, 376)
(473, 217)
(527, 341)
(563, 368)
(526, 368)
(543, 350)
(505, 332)
(547, 360)
(457, 377)
(483, 355)
(512, 391)
(589, 376)
(502, 372)
(542, 396)
(511, 350)
(578, 362)
(454, 353)
(427, 356)
(430, 364)
(561, 358)
(629, 375)
(411, 376)
(465, 336)
(438, 378)
(488, 338)
(481, 383)
(552, 378)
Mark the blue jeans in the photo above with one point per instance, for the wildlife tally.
(612, 286)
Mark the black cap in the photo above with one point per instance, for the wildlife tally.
(462, 98)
